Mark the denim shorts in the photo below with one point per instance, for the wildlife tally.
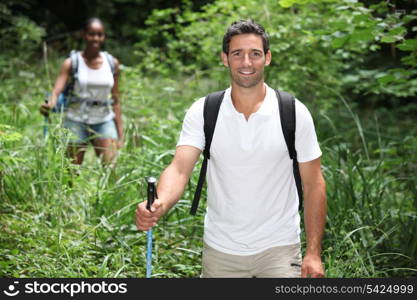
(84, 133)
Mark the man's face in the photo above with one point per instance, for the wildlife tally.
(246, 59)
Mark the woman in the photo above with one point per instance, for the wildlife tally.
(93, 111)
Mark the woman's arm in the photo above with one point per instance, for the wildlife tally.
(116, 104)
(63, 76)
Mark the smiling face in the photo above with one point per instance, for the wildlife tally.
(246, 60)
(94, 35)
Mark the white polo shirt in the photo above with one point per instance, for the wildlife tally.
(252, 200)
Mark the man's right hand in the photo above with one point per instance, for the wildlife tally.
(45, 109)
(171, 186)
(146, 219)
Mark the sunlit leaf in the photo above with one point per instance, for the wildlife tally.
(408, 45)
(340, 42)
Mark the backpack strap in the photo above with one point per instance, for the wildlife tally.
(211, 111)
(286, 103)
(69, 87)
(110, 59)
(74, 64)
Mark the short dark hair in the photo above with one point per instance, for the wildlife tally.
(245, 27)
(90, 21)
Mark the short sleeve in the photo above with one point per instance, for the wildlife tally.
(192, 133)
(306, 143)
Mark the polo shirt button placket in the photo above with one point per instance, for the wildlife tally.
(249, 136)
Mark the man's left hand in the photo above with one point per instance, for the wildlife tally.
(312, 266)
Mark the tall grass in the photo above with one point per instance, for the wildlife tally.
(59, 220)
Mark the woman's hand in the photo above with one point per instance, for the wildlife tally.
(45, 109)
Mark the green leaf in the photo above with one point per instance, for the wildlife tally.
(388, 39)
(340, 41)
(360, 19)
(385, 79)
(398, 31)
(343, 7)
(285, 3)
(410, 60)
(362, 35)
(408, 18)
(374, 47)
(408, 45)
(339, 25)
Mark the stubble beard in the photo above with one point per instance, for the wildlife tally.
(247, 82)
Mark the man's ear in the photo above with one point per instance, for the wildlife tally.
(224, 59)
(268, 58)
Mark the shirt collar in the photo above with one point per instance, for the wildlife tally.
(266, 109)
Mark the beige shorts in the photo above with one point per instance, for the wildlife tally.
(276, 262)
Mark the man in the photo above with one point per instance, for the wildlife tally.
(252, 223)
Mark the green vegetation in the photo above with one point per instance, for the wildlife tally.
(351, 63)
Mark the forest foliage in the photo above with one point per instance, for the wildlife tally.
(353, 63)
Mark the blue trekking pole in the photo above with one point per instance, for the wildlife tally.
(151, 197)
(45, 126)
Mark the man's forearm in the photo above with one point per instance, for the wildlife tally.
(171, 186)
(315, 210)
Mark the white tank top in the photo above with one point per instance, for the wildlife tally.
(94, 87)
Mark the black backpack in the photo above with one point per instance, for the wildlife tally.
(212, 104)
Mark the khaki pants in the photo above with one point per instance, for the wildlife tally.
(281, 261)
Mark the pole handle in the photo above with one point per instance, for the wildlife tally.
(151, 192)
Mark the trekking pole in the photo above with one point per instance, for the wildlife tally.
(151, 197)
(45, 123)
(45, 60)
